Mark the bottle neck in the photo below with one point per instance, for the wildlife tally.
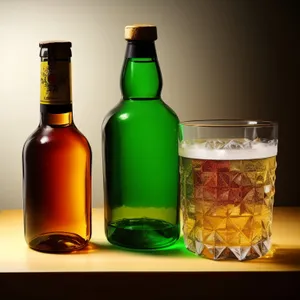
(56, 92)
(141, 77)
(60, 120)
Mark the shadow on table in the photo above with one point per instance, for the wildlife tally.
(178, 249)
(281, 255)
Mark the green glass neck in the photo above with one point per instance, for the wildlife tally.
(141, 77)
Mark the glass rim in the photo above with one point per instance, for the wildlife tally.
(225, 123)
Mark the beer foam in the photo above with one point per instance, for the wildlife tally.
(200, 151)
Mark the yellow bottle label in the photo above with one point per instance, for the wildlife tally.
(56, 82)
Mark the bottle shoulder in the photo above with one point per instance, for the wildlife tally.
(49, 136)
(171, 111)
(132, 110)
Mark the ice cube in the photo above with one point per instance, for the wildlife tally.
(238, 144)
(214, 144)
(228, 144)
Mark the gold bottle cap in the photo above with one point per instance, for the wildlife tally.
(140, 32)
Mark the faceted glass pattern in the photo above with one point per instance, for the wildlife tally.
(227, 206)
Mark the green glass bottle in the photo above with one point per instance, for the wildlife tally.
(140, 153)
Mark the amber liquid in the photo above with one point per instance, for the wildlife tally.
(227, 206)
(57, 186)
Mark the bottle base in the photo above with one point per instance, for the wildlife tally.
(142, 233)
(58, 242)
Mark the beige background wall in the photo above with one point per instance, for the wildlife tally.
(219, 59)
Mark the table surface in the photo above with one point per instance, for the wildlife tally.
(100, 256)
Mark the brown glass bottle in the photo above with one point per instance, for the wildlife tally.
(56, 163)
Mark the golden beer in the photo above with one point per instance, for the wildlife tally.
(227, 201)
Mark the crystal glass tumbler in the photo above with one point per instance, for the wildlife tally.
(227, 186)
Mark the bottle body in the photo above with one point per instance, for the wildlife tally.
(140, 159)
(56, 162)
(57, 189)
(141, 175)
